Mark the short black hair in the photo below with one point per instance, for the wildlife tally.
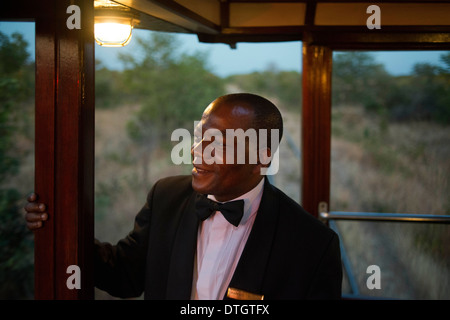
(267, 115)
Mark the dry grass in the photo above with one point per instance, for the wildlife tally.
(403, 168)
(120, 189)
(396, 168)
(375, 167)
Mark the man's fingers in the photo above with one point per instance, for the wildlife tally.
(34, 225)
(34, 220)
(32, 197)
(35, 212)
(35, 217)
(35, 207)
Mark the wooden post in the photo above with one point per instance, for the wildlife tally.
(64, 156)
(316, 126)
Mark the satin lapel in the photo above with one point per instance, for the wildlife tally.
(250, 271)
(181, 268)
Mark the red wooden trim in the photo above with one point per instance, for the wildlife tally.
(86, 198)
(65, 151)
(224, 14)
(199, 22)
(316, 126)
(44, 157)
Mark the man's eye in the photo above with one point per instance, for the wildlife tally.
(197, 139)
(217, 143)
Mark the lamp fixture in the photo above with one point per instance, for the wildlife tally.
(114, 24)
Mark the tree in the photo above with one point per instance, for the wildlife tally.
(16, 247)
(358, 79)
(426, 93)
(443, 112)
(172, 88)
(108, 87)
(285, 86)
(423, 95)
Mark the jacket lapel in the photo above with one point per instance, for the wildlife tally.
(179, 282)
(250, 271)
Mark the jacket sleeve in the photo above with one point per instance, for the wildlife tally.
(120, 269)
(327, 280)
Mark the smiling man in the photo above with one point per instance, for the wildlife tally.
(232, 178)
(222, 232)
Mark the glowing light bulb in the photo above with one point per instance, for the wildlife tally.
(112, 34)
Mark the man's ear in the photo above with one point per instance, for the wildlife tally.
(264, 157)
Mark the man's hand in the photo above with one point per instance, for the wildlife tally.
(36, 212)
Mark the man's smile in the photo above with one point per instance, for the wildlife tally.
(200, 171)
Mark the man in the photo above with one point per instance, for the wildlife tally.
(181, 249)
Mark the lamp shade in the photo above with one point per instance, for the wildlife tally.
(113, 27)
(112, 34)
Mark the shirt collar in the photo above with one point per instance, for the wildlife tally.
(251, 200)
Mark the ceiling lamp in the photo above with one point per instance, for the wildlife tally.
(113, 25)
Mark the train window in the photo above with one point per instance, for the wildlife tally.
(16, 158)
(155, 86)
(390, 151)
(395, 260)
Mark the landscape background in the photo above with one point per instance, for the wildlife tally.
(390, 151)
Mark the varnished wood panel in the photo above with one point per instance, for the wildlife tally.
(316, 126)
(64, 177)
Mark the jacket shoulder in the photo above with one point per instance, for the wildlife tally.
(181, 181)
(173, 187)
(298, 218)
(308, 253)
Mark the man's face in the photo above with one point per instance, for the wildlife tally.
(228, 180)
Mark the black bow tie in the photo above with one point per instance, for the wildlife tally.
(232, 210)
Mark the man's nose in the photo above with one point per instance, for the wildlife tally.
(196, 152)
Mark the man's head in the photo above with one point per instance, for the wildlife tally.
(235, 111)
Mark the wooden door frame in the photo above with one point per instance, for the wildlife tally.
(316, 125)
(64, 143)
(64, 155)
(64, 134)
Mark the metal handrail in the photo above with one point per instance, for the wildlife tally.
(392, 217)
(330, 217)
(346, 263)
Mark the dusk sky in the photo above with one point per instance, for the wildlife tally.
(247, 57)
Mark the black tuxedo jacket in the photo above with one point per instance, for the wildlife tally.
(289, 253)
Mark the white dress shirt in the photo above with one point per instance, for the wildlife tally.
(219, 247)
